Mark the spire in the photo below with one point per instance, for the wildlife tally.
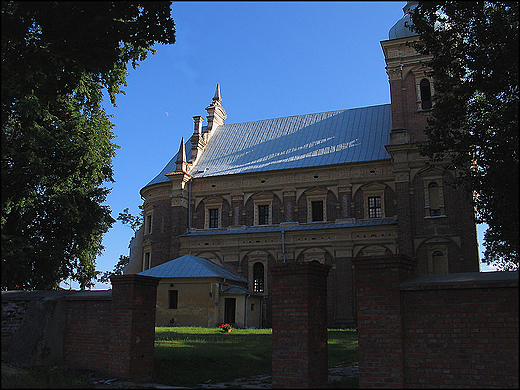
(216, 113)
(216, 117)
(217, 99)
(181, 163)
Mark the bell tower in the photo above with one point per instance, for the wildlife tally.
(405, 68)
(411, 87)
(436, 222)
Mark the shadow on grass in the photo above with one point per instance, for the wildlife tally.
(190, 359)
(194, 356)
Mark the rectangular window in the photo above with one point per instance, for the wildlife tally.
(374, 207)
(263, 214)
(435, 196)
(213, 218)
(148, 224)
(317, 210)
(173, 298)
(146, 262)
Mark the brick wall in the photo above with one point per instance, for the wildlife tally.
(460, 332)
(133, 334)
(88, 332)
(299, 315)
(106, 331)
(379, 320)
(452, 330)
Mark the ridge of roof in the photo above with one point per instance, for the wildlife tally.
(189, 266)
(323, 138)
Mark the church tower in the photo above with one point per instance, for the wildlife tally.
(435, 221)
(411, 88)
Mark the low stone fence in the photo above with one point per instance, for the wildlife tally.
(110, 331)
(452, 330)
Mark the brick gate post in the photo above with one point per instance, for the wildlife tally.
(380, 336)
(133, 325)
(299, 312)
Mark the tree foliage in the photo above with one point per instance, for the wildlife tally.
(56, 146)
(134, 222)
(474, 120)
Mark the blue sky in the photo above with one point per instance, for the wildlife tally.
(271, 59)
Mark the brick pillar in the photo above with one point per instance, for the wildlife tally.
(380, 336)
(133, 329)
(299, 313)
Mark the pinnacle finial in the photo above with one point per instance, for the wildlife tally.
(217, 97)
(181, 158)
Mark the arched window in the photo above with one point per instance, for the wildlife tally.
(426, 95)
(435, 201)
(258, 277)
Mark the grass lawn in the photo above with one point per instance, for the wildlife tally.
(190, 356)
(186, 356)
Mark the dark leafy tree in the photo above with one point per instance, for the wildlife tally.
(474, 122)
(56, 146)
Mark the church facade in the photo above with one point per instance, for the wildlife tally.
(324, 187)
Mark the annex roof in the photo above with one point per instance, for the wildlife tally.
(240, 290)
(189, 266)
(325, 138)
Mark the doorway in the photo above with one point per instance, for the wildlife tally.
(229, 310)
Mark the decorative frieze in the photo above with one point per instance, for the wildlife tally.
(277, 181)
(156, 192)
(402, 176)
(179, 201)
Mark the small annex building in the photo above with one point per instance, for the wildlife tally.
(197, 292)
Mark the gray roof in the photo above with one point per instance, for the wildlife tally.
(325, 138)
(189, 266)
(240, 290)
(278, 228)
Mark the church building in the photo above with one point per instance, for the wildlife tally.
(324, 187)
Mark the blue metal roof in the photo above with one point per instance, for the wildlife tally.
(333, 137)
(278, 228)
(189, 266)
